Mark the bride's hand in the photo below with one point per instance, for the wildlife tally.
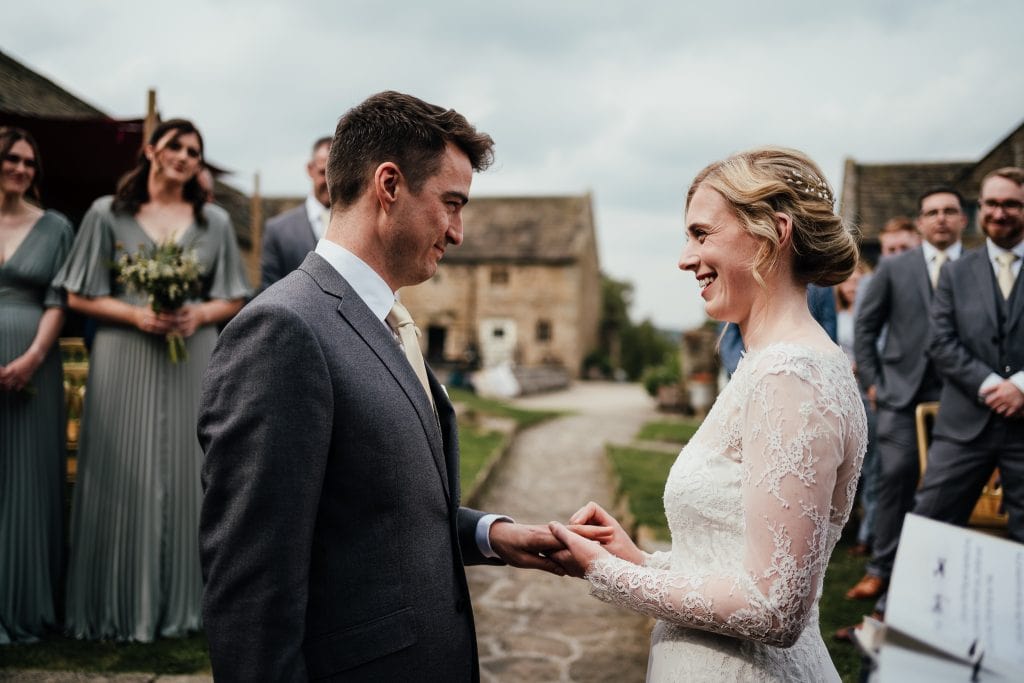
(579, 553)
(618, 543)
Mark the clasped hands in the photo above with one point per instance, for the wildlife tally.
(183, 321)
(1004, 399)
(564, 549)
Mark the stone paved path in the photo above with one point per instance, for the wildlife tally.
(534, 626)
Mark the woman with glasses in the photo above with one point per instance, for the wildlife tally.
(33, 245)
(134, 569)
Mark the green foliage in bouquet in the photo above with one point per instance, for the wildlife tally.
(169, 275)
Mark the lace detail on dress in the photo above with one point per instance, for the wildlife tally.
(755, 503)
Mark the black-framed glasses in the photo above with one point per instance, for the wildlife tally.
(1008, 205)
(948, 212)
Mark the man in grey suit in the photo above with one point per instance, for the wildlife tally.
(289, 236)
(977, 345)
(331, 536)
(900, 376)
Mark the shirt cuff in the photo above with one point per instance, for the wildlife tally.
(1018, 380)
(483, 534)
(992, 380)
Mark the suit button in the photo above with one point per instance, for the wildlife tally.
(1007, 370)
(460, 605)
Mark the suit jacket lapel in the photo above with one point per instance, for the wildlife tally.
(310, 233)
(449, 429)
(984, 284)
(1016, 302)
(386, 347)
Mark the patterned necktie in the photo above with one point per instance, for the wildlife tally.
(1005, 275)
(937, 261)
(401, 322)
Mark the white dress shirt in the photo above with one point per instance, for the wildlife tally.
(378, 297)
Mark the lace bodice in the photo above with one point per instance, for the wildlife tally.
(755, 502)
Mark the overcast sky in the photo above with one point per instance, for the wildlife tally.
(627, 103)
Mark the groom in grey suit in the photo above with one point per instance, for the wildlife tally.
(977, 344)
(331, 536)
(289, 236)
(900, 376)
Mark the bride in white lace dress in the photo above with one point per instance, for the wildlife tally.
(757, 499)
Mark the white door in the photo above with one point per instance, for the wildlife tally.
(497, 341)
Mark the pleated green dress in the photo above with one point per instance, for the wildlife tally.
(133, 572)
(32, 433)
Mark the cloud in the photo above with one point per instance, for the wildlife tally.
(625, 102)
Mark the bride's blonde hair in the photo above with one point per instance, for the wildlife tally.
(760, 182)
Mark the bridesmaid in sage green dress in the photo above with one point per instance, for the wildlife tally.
(33, 245)
(134, 570)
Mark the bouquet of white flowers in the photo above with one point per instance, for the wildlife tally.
(168, 274)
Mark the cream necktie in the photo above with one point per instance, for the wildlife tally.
(325, 220)
(1005, 275)
(937, 262)
(401, 322)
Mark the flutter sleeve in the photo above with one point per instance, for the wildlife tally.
(792, 448)
(63, 237)
(87, 270)
(228, 279)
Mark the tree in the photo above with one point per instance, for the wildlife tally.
(623, 344)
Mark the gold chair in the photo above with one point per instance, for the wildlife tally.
(76, 370)
(988, 511)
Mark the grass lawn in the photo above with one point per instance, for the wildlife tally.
(642, 475)
(672, 431)
(191, 654)
(488, 406)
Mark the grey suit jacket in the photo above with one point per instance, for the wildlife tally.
(287, 238)
(331, 537)
(968, 341)
(899, 295)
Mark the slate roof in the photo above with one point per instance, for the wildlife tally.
(884, 191)
(874, 193)
(29, 99)
(23, 91)
(553, 229)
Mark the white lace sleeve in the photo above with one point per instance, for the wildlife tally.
(793, 441)
(657, 560)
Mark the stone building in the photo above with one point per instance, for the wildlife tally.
(874, 193)
(524, 287)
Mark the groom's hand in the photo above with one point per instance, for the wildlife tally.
(578, 553)
(525, 545)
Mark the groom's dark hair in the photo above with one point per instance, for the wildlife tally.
(392, 126)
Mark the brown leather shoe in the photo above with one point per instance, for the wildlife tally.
(845, 634)
(868, 587)
(859, 550)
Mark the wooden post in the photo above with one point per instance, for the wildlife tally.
(255, 230)
(151, 115)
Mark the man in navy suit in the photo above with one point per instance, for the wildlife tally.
(977, 345)
(289, 236)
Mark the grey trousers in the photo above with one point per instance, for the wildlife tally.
(899, 470)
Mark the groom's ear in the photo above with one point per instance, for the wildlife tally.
(387, 181)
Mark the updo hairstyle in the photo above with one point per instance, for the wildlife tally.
(760, 182)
